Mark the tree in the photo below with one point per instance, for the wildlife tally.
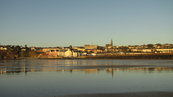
(150, 46)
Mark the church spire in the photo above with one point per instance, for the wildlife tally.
(111, 42)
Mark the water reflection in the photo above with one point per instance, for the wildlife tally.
(49, 78)
(86, 66)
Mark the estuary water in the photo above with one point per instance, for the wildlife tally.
(49, 78)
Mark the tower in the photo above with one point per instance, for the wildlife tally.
(111, 42)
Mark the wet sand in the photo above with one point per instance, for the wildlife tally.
(138, 94)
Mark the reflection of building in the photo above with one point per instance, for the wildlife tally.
(110, 70)
(91, 70)
(74, 66)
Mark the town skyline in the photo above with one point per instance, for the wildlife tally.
(23, 45)
(88, 51)
(63, 23)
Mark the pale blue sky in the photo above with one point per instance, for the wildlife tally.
(79, 22)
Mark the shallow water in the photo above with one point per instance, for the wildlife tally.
(49, 78)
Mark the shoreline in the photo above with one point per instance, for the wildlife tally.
(127, 56)
(91, 59)
(150, 56)
(130, 94)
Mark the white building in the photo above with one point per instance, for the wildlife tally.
(72, 53)
(3, 48)
(165, 50)
(68, 53)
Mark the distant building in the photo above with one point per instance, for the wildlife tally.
(164, 50)
(90, 46)
(147, 50)
(62, 53)
(50, 49)
(53, 53)
(49, 52)
(69, 53)
(109, 47)
(3, 48)
(79, 48)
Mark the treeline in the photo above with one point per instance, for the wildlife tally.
(17, 52)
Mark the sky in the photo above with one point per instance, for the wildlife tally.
(80, 22)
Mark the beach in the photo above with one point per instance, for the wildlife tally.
(137, 94)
